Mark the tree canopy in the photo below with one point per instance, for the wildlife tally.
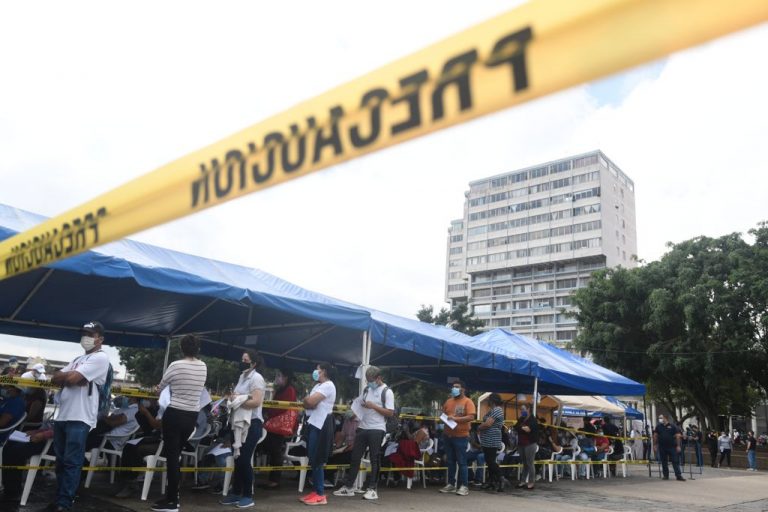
(692, 325)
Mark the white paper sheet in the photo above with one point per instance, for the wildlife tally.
(390, 449)
(219, 449)
(19, 437)
(134, 441)
(357, 408)
(444, 418)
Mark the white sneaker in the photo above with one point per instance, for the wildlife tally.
(448, 488)
(462, 491)
(358, 490)
(344, 491)
(370, 494)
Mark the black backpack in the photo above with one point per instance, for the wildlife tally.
(392, 423)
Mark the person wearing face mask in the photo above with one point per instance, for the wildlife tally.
(121, 421)
(377, 402)
(667, 440)
(280, 425)
(460, 409)
(12, 408)
(78, 411)
(186, 380)
(319, 407)
(250, 392)
(527, 433)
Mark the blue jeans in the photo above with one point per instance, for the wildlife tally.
(456, 453)
(752, 459)
(479, 457)
(242, 478)
(318, 470)
(699, 455)
(69, 446)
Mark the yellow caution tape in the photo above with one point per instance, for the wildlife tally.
(267, 469)
(539, 48)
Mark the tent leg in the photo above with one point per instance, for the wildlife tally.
(167, 352)
(535, 394)
(366, 359)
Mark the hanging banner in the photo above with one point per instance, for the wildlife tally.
(534, 50)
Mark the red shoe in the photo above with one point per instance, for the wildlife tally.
(311, 495)
(316, 500)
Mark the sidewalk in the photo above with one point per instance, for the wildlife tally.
(717, 489)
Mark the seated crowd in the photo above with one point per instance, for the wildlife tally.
(236, 432)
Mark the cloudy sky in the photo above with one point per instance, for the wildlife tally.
(95, 94)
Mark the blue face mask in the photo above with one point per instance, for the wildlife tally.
(455, 392)
(523, 414)
(372, 385)
(316, 375)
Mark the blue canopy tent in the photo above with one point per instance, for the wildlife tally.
(437, 354)
(558, 372)
(145, 295)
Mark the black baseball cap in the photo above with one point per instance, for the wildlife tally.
(94, 327)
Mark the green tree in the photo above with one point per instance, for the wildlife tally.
(145, 364)
(457, 319)
(687, 325)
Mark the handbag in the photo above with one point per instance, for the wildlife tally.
(283, 425)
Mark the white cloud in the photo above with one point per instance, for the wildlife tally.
(101, 94)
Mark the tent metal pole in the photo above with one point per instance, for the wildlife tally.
(535, 394)
(365, 360)
(167, 352)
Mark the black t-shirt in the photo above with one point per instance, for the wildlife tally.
(610, 429)
(666, 434)
(751, 443)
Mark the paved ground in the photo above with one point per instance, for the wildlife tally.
(717, 489)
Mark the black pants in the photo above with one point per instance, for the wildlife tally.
(370, 439)
(667, 454)
(724, 454)
(178, 425)
(17, 454)
(274, 446)
(494, 474)
(713, 456)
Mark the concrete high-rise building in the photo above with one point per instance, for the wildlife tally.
(530, 237)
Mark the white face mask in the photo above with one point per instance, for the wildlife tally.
(87, 342)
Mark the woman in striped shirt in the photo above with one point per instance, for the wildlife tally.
(186, 379)
(490, 440)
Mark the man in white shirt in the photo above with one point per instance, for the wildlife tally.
(79, 404)
(377, 403)
(120, 422)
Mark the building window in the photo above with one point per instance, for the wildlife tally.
(522, 304)
(457, 238)
(563, 284)
(566, 335)
(455, 275)
(482, 309)
(502, 290)
(484, 292)
(500, 322)
(543, 319)
(456, 250)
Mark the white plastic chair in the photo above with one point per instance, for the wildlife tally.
(102, 450)
(628, 456)
(35, 461)
(422, 463)
(551, 466)
(153, 461)
(302, 460)
(607, 463)
(8, 430)
(193, 454)
(230, 464)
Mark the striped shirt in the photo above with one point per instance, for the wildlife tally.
(491, 437)
(186, 378)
